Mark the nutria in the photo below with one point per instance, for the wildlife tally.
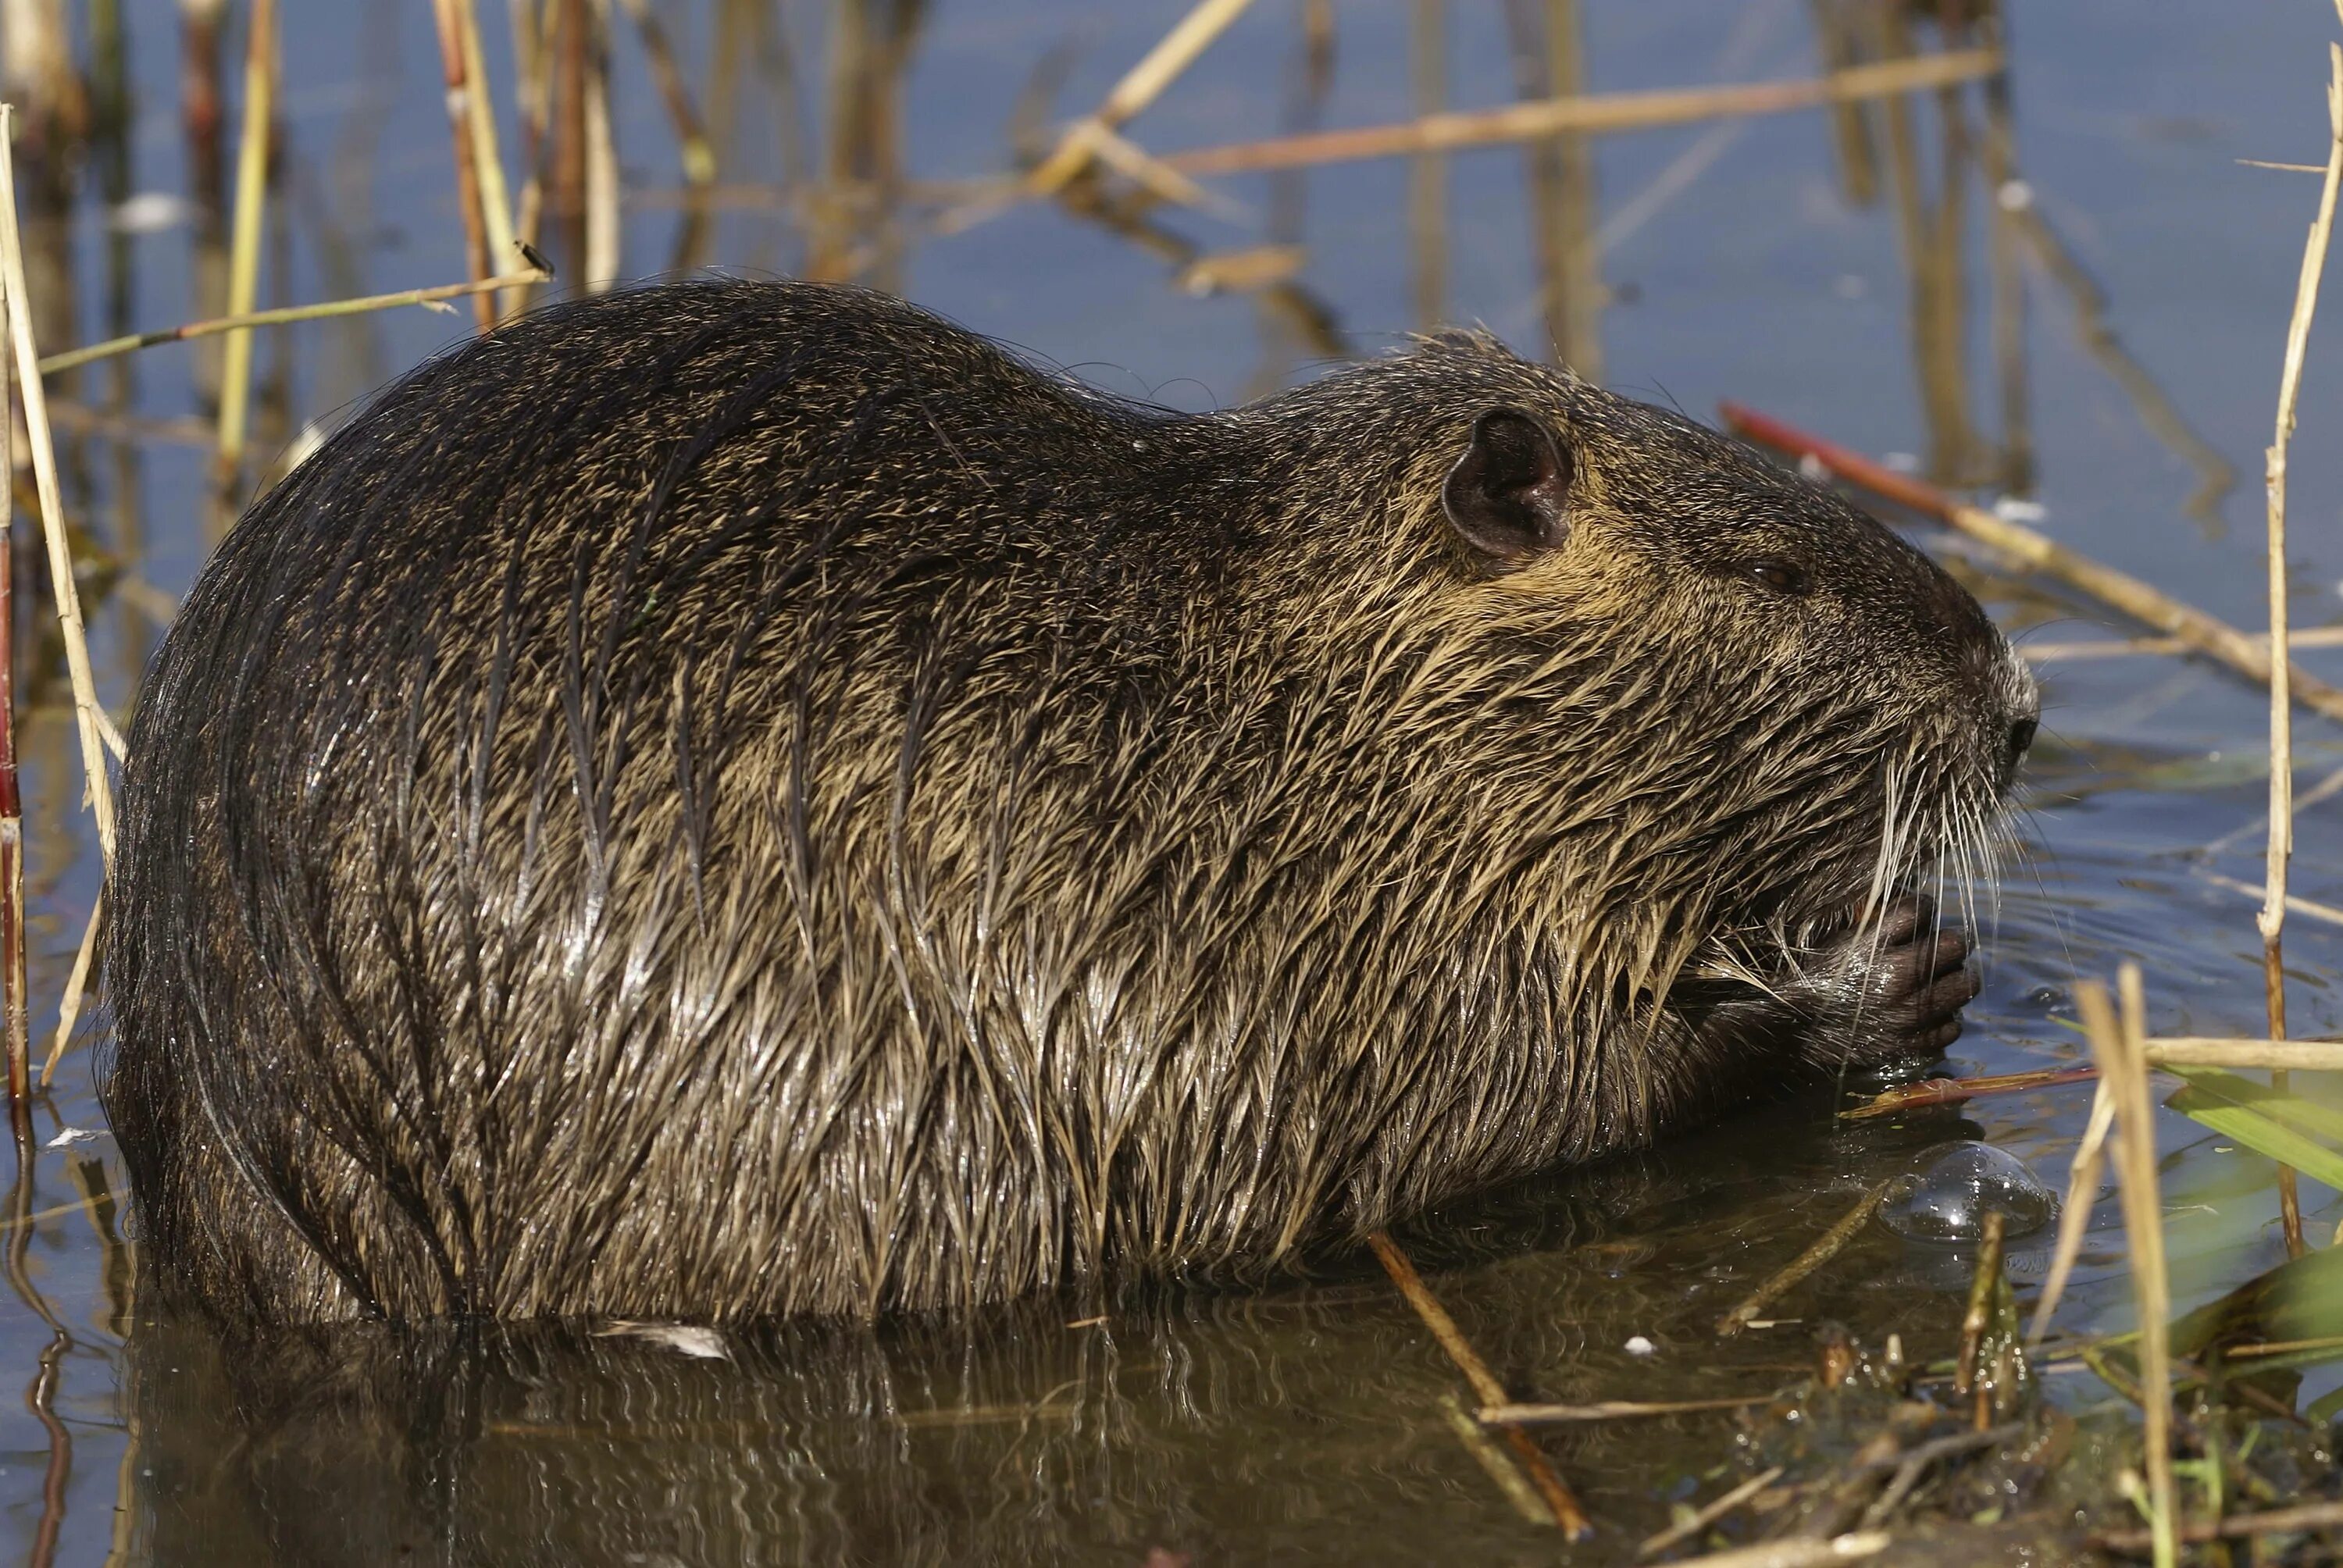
(741, 799)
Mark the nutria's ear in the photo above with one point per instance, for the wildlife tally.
(1508, 494)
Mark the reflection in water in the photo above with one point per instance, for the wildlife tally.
(1235, 1428)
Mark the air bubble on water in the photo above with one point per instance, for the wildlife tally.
(1950, 1188)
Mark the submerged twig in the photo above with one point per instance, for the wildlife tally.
(1954, 1090)
(2248, 655)
(1826, 1247)
(1492, 1459)
(1798, 1553)
(1608, 1409)
(1709, 1514)
(1567, 1511)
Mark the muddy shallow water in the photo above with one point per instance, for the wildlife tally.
(1308, 1419)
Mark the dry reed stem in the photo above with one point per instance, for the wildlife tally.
(1594, 112)
(1709, 1514)
(1825, 1247)
(533, 39)
(1568, 1515)
(2278, 1055)
(27, 354)
(1140, 86)
(138, 340)
(2126, 646)
(244, 256)
(77, 988)
(2272, 921)
(1608, 1409)
(487, 158)
(1427, 174)
(2248, 655)
(2074, 1215)
(603, 238)
(453, 70)
(2117, 1048)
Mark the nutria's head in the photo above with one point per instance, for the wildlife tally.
(1753, 710)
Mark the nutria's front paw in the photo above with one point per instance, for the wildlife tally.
(1895, 992)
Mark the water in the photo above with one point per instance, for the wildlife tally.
(1306, 1420)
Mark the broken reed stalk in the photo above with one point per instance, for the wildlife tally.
(77, 988)
(2272, 921)
(2117, 1048)
(1980, 1315)
(244, 256)
(1592, 112)
(1567, 1512)
(16, 1004)
(138, 340)
(1140, 86)
(2074, 1215)
(28, 366)
(1826, 1247)
(693, 146)
(2248, 655)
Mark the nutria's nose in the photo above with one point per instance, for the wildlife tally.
(2021, 736)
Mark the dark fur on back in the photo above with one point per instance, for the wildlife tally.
(738, 798)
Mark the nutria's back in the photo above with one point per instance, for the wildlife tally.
(737, 798)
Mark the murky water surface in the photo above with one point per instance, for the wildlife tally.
(2137, 370)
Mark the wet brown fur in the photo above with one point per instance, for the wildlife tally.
(742, 798)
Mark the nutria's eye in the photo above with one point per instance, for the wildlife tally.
(1779, 576)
